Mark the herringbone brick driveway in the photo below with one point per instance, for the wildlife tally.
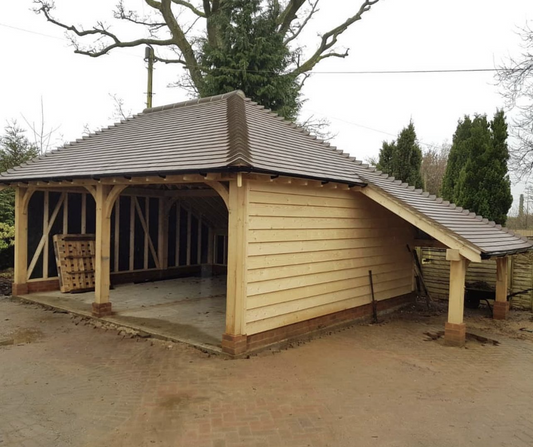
(383, 385)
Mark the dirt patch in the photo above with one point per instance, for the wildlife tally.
(519, 324)
(6, 280)
(469, 337)
(21, 336)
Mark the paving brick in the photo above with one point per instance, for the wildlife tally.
(379, 385)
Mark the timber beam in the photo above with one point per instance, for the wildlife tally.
(178, 179)
(423, 223)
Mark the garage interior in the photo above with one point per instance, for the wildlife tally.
(168, 257)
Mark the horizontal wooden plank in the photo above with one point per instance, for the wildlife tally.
(290, 259)
(290, 198)
(309, 268)
(271, 248)
(284, 296)
(380, 273)
(325, 234)
(273, 222)
(253, 327)
(313, 211)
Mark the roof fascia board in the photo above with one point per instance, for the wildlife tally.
(420, 222)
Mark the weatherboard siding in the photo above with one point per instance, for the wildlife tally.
(310, 249)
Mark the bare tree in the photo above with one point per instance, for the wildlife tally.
(44, 137)
(177, 28)
(433, 167)
(318, 127)
(516, 80)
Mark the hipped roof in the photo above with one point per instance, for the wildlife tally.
(231, 133)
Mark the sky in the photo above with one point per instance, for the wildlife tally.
(364, 109)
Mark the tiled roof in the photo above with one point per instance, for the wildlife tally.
(489, 238)
(230, 132)
(217, 133)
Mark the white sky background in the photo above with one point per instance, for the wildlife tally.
(394, 35)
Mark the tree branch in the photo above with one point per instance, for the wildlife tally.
(132, 17)
(169, 61)
(329, 39)
(191, 7)
(180, 40)
(301, 26)
(98, 31)
(288, 15)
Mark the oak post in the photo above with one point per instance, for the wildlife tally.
(455, 329)
(102, 306)
(162, 237)
(20, 284)
(501, 305)
(234, 339)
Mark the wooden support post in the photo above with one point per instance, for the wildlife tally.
(101, 305)
(178, 227)
(146, 230)
(117, 235)
(20, 284)
(132, 234)
(210, 240)
(46, 216)
(501, 305)
(83, 213)
(199, 242)
(65, 214)
(162, 232)
(455, 329)
(189, 220)
(234, 339)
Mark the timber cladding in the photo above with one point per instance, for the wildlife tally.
(309, 250)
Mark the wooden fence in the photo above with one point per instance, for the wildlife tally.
(436, 271)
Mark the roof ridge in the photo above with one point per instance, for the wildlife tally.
(191, 102)
(239, 147)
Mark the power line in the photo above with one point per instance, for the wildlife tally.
(30, 31)
(55, 37)
(450, 70)
(354, 72)
(371, 128)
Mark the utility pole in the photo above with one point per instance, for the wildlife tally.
(149, 57)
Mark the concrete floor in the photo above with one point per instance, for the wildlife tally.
(190, 310)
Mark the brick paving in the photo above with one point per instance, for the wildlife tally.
(63, 384)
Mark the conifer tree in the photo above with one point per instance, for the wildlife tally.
(459, 154)
(402, 158)
(251, 56)
(481, 183)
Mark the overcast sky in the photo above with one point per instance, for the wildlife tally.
(37, 62)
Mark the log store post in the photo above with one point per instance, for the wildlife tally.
(501, 305)
(455, 328)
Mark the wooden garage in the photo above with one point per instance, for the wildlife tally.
(222, 185)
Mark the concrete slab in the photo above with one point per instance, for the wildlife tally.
(190, 310)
